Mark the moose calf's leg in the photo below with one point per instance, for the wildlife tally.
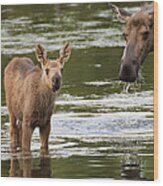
(44, 136)
(13, 132)
(19, 133)
(27, 131)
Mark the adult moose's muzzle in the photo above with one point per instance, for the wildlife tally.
(130, 63)
(128, 72)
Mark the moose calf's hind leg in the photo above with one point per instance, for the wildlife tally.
(44, 136)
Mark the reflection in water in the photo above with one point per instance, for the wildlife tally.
(97, 130)
(131, 171)
(90, 166)
(24, 167)
(131, 167)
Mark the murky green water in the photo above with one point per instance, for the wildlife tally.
(97, 129)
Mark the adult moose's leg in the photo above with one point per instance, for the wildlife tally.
(44, 136)
(27, 131)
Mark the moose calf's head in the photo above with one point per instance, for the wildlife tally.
(52, 69)
(138, 35)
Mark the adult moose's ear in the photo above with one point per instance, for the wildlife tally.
(41, 54)
(122, 15)
(64, 54)
(149, 10)
(151, 18)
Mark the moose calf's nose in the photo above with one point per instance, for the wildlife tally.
(56, 83)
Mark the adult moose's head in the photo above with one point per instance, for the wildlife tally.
(139, 37)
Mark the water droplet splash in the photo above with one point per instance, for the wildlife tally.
(140, 78)
(126, 87)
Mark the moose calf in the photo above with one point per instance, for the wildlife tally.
(30, 95)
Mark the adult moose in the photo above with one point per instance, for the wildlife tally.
(30, 95)
(139, 36)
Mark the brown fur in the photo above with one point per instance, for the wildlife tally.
(30, 95)
(139, 32)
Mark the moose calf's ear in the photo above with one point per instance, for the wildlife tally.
(64, 53)
(41, 54)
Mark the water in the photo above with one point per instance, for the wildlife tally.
(98, 130)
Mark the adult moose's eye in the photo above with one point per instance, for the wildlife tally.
(145, 35)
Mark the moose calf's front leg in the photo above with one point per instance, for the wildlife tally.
(44, 137)
(27, 131)
(13, 132)
(19, 133)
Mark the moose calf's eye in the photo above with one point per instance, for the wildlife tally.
(61, 70)
(47, 71)
(125, 36)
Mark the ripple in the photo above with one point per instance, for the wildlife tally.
(122, 101)
(85, 34)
